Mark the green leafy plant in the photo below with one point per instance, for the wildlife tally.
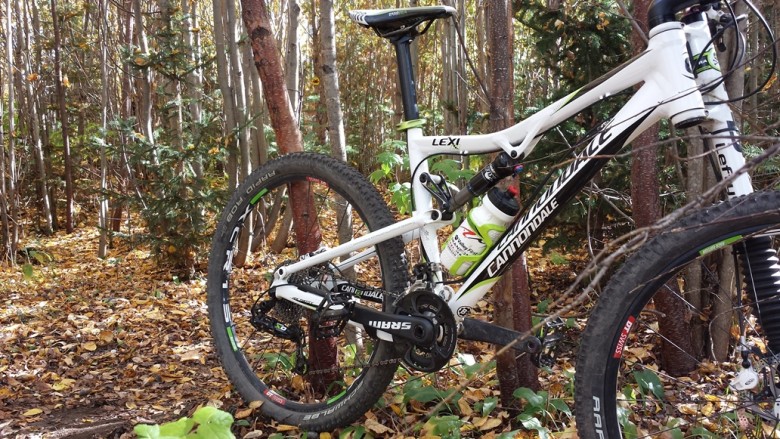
(540, 409)
(444, 426)
(649, 383)
(206, 423)
(353, 432)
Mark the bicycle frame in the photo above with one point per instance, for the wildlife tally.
(670, 88)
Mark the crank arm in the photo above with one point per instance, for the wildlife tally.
(393, 327)
(385, 326)
(477, 330)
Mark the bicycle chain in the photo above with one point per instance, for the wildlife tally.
(317, 274)
(387, 362)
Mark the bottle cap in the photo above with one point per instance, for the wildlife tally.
(504, 201)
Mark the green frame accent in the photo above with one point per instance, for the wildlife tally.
(407, 124)
(337, 397)
(479, 284)
(719, 245)
(257, 197)
(232, 338)
(706, 61)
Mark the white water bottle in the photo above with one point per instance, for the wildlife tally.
(481, 228)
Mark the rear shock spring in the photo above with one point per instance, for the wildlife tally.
(761, 271)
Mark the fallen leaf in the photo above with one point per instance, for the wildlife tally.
(193, 355)
(464, 407)
(63, 384)
(32, 412)
(90, 346)
(106, 336)
(490, 424)
(241, 414)
(688, 409)
(376, 427)
(285, 427)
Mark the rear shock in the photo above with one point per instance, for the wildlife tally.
(761, 271)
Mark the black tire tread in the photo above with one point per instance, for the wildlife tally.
(369, 202)
(692, 232)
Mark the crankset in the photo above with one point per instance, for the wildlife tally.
(433, 355)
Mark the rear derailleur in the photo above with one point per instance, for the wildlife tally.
(288, 331)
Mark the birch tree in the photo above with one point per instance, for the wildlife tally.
(330, 81)
(293, 57)
(103, 208)
(32, 89)
(8, 170)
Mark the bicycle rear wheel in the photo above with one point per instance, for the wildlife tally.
(268, 347)
(671, 330)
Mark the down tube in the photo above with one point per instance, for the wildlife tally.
(575, 176)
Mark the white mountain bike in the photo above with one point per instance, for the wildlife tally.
(313, 304)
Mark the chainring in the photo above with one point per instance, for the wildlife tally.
(432, 357)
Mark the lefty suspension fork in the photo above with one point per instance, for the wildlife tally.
(758, 258)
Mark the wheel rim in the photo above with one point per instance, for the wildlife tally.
(269, 361)
(652, 395)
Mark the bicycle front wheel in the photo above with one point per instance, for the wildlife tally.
(670, 334)
(305, 372)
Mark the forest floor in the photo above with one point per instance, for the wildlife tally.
(90, 347)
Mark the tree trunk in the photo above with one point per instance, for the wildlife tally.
(195, 76)
(126, 110)
(223, 77)
(144, 81)
(5, 244)
(103, 212)
(676, 349)
(289, 139)
(330, 81)
(506, 304)
(239, 91)
(37, 145)
(293, 57)
(320, 117)
(259, 153)
(239, 95)
(460, 68)
(693, 276)
(10, 223)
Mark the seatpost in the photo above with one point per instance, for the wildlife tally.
(403, 55)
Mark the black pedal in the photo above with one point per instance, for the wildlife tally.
(550, 336)
(329, 320)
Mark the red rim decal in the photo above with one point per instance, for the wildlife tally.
(623, 337)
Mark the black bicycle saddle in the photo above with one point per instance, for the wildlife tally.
(391, 22)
